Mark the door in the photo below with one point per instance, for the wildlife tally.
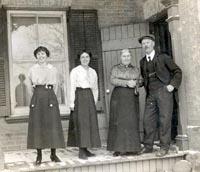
(114, 39)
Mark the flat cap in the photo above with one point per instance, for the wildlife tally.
(149, 36)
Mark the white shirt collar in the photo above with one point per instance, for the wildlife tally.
(152, 54)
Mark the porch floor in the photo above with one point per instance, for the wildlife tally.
(24, 160)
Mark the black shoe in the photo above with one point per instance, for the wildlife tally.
(54, 158)
(82, 154)
(130, 153)
(161, 153)
(38, 160)
(89, 154)
(116, 154)
(146, 150)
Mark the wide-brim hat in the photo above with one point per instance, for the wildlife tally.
(149, 36)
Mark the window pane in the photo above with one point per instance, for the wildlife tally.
(27, 31)
(51, 35)
(23, 37)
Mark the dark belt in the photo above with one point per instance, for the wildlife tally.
(79, 88)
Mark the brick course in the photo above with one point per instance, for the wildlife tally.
(110, 12)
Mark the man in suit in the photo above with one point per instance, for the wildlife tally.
(161, 77)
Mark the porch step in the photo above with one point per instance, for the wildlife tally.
(103, 162)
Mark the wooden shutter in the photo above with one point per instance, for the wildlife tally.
(4, 84)
(84, 34)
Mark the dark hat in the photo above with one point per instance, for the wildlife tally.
(149, 36)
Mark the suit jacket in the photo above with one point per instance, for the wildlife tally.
(166, 70)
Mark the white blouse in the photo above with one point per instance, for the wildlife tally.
(83, 78)
(43, 74)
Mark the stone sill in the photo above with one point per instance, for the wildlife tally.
(21, 119)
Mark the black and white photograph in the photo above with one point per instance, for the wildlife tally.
(99, 86)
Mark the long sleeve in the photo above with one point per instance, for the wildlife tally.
(115, 80)
(95, 89)
(72, 88)
(175, 70)
(53, 78)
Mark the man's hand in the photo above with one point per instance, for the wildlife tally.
(170, 88)
(131, 83)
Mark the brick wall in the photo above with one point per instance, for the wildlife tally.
(13, 136)
(152, 8)
(36, 3)
(110, 12)
(113, 12)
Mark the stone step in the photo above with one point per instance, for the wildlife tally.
(23, 161)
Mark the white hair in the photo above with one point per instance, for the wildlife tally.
(125, 51)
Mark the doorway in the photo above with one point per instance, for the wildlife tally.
(163, 44)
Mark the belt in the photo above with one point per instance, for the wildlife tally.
(49, 86)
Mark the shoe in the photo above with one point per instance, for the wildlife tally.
(161, 153)
(146, 150)
(89, 154)
(54, 158)
(38, 160)
(82, 154)
(116, 154)
(130, 153)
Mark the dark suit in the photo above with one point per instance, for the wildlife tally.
(159, 103)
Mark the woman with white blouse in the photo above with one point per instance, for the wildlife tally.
(44, 127)
(83, 124)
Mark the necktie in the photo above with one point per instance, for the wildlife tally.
(149, 58)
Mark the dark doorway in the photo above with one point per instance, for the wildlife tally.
(163, 44)
(160, 29)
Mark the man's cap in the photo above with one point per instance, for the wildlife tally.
(149, 36)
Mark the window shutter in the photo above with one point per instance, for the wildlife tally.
(84, 34)
(4, 84)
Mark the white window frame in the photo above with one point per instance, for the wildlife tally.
(24, 111)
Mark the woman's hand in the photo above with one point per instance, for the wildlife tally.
(72, 108)
(131, 83)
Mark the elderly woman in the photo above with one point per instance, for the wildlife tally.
(44, 127)
(83, 124)
(123, 134)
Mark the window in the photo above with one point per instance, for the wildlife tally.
(26, 31)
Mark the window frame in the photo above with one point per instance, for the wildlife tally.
(64, 109)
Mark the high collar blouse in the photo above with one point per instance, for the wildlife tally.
(83, 78)
(121, 74)
(43, 74)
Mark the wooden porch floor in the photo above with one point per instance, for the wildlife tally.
(18, 161)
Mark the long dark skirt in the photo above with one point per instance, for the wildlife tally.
(123, 134)
(83, 124)
(44, 127)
